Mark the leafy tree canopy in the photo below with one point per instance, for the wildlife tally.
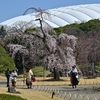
(85, 27)
(5, 60)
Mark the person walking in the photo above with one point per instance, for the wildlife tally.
(29, 75)
(14, 78)
(7, 74)
(74, 76)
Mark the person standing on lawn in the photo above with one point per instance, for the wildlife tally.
(29, 75)
(14, 77)
(74, 76)
(7, 74)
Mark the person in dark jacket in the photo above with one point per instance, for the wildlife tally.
(74, 76)
(7, 74)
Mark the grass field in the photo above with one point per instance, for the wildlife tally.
(31, 94)
(63, 81)
(50, 81)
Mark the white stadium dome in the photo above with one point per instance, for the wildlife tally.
(62, 16)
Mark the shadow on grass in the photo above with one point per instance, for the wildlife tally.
(52, 79)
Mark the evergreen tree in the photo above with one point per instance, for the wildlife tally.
(2, 32)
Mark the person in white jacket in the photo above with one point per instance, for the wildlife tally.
(14, 78)
(29, 74)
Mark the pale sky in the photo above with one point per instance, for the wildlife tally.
(14, 8)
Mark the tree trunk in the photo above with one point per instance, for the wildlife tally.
(56, 74)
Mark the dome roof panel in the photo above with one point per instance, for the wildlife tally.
(95, 8)
(93, 14)
(52, 24)
(67, 17)
(62, 16)
(79, 15)
(58, 20)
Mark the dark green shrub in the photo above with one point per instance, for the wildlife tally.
(5, 60)
(10, 97)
